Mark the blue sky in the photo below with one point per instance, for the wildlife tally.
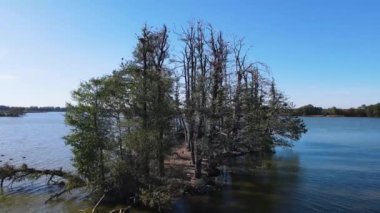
(323, 52)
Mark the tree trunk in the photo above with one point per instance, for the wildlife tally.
(198, 169)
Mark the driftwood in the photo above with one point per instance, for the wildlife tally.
(97, 204)
(123, 210)
(16, 174)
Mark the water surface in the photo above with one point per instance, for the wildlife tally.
(333, 168)
(35, 139)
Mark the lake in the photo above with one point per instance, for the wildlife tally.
(335, 167)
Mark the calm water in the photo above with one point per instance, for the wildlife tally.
(334, 168)
(36, 139)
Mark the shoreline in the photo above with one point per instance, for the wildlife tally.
(333, 116)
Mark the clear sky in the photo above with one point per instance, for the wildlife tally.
(323, 52)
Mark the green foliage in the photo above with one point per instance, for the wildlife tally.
(154, 198)
(121, 124)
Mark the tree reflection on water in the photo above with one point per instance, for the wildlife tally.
(252, 184)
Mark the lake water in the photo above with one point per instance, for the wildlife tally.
(335, 167)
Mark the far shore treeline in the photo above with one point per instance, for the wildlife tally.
(11, 111)
(362, 111)
(372, 110)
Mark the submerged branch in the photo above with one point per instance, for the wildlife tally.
(56, 195)
(17, 174)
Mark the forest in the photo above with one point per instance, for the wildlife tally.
(207, 99)
(362, 111)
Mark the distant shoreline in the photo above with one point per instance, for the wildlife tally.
(9, 111)
(369, 111)
(334, 116)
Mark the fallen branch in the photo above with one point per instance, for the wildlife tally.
(122, 210)
(17, 174)
(56, 195)
(97, 204)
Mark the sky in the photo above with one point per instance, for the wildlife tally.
(321, 52)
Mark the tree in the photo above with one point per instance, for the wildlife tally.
(282, 126)
(152, 107)
(219, 119)
(89, 129)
